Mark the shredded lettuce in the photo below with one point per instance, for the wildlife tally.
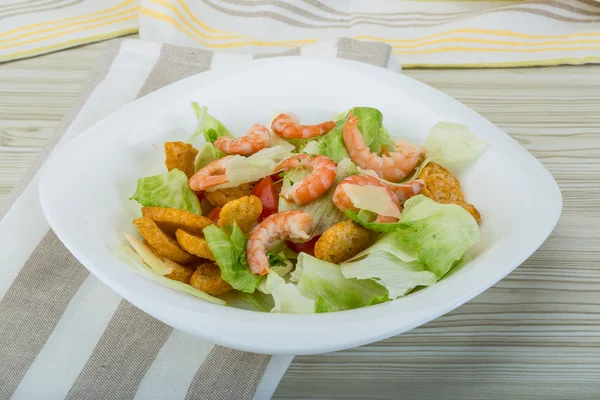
(208, 126)
(372, 198)
(207, 153)
(242, 169)
(325, 214)
(390, 263)
(439, 233)
(228, 246)
(286, 296)
(260, 301)
(323, 281)
(451, 145)
(130, 257)
(169, 189)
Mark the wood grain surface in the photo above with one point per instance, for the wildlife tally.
(535, 335)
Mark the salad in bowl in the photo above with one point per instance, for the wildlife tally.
(297, 218)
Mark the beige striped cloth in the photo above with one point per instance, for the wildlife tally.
(63, 333)
(499, 33)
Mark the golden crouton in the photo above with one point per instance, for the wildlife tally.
(470, 209)
(443, 187)
(181, 156)
(162, 243)
(207, 278)
(195, 245)
(180, 273)
(245, 211)
(440, 185)
(342, 241)
(220, 197)
(171, 219)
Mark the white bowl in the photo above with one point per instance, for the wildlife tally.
(85, 188)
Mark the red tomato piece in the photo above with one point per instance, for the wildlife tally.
(199, 195)
(305, 247)
(214, 215)
(265, 191)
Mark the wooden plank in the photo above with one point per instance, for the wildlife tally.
(536, 334)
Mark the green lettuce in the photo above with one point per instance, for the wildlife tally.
(325, 283)
(324, 213)
(228, 246)
(438, 233)
(390, 263)
(207, 153)
(169, 189)
(370, 126)
(208, 126)
(130, 257)
(286, 296)
(451, 145)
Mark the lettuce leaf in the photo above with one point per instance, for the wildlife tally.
(208, 126)
(286, 296)
(169, 189)
(324, 282)
(439, 233)
(325, 214)
(451, 145)
(390, 263)
(130, 257)
(228, 246)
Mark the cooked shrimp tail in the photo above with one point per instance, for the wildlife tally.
(211, 175)
(257, 138)
(293, 225)
(407, 190)
(313, 185)
(285, 125)
(392, 167)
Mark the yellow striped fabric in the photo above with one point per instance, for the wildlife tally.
(422, 33)
(32, 27)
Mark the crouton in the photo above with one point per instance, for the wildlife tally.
(161, 242)
(220, 197)
(207, 278)
(440, 185)
(171, 219)
(181, 273)
(180, 156)
(195, 245)
(245, 211)
(342, 241)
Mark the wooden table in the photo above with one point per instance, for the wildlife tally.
(536, 334)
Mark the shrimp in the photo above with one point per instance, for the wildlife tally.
(211, 175)
(343, 202)
(257, 138)
(392, 167)
(285, 125)
(397, 193)
(283, 225)
(313, 185)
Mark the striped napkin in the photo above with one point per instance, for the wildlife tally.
(498, 33)
(63, 333)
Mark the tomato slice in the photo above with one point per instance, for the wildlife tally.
(305, 247)
(265, 191)
(199, 195)
(214, 215)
